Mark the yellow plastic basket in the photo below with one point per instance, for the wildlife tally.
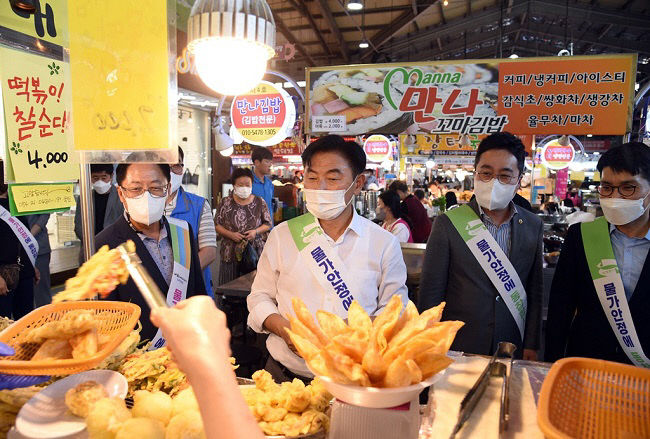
(587, 398)
(116, 319)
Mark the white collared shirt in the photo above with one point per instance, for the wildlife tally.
(369, 253)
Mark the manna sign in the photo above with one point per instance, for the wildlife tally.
(577, 95)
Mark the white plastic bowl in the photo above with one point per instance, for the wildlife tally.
(375, 397)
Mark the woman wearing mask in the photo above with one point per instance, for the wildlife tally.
(143, 189)
(242, 218)
(394, 221)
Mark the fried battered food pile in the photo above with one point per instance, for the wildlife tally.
(80, 399)
(11, 401)
(73, 336)
(99, 275)
(5, 322)
(392, 351)
(291, 408)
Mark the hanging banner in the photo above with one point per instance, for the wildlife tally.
(556, 156)
(414, 145)
(122, 98)
(40, 198)
(561, 183)
(49, 21)
(377, 148)
(36, 98)
(264, 115)
(286, 147)
(576, 95)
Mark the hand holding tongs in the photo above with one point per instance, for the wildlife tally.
(493, 369)
(148, 288)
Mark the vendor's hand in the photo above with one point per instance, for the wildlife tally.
(530, 355)
(16, 381)
(236, 236)
(3, 287)
(277, 324)
(251, 234)
(195, 331)
(37, 275)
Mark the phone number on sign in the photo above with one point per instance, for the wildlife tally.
(258, 131)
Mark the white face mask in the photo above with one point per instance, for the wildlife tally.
(176, 181)
(493, 195)
(243, 192)
(619, 211)
(101, 187)
(146, 209)
(326, 204)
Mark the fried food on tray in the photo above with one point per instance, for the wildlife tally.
(399, 348)
(290, 408)
(153, 405)
(53, 349)
(80, 399)
(72, 323)
(188, 425)
(106, 417)
(139, 428)
(99, 275)
(84, 345)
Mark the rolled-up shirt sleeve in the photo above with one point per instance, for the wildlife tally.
(262, 300)
(393, 276)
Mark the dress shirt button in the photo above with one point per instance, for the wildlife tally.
(498, 299)
(521, 221)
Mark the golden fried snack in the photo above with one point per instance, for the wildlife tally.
(106, 417)
(331, 324)
(358, 319)
(430, 362)
(184, 401)
(99, 275)
(152, 405)
(80, 399)
(85, 344)
(53, 349)
(345, 364)
(72, 323)
(296, 397)
(303, 314)
(188, 425)
(139, 428)
(299, 328)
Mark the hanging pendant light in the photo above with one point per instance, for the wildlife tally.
(355, 5)
(231, 42)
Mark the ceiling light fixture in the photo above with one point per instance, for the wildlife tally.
(363, 44)
(445, 3)
(355, 5)
(231, 43)
(514, 56)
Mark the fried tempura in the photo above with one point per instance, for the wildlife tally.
(72, 323)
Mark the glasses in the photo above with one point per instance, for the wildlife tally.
(626, 190)
(503, 178)
(137, 192)
(177, 168)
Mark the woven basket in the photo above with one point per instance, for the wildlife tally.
(587, 398)
(116, 319)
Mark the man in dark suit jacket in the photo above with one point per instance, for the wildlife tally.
(452, 274)
(142, 186)
(577, 322)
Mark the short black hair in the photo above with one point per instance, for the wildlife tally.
(419, 194)
(260, 153)
(506, 141)
(240, 172)
(351, 151)
(181, 154)
(101, 167)
(632, 157)
(398, 185)
(141, 158)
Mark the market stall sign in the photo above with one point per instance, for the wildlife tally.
(578, 95)
(122, 97)
(36, 98)
(40, 198)
(264, 115)
(377, 148)
(437, 144)
(285, 148)
(556, 156)
(49, 21)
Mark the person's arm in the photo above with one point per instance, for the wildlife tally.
(563, 297)
(207, 237)
(535, 295)
(402, 232)
(221, 230)
(433, 283)
(197, 335)
(393, 276)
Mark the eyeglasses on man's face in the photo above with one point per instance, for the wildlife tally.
(138, 191)
(625, 190)
(487, 176)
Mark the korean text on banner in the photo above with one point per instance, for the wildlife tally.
(49, 21)
(38, 198)
(35, 98)
(423, 145)
(120, 71)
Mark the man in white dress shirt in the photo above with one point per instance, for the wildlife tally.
(328, 257)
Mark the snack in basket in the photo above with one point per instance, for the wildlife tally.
(394, 350)
(99, 275)
(289, 409)
(81, 398)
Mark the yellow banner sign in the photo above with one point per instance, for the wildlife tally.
(35, 93)
(120, 71)
(48, 22)
(40, 197)
(437, 144)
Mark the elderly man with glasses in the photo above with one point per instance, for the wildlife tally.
(600, 294)
(485, 258)
(165, 245)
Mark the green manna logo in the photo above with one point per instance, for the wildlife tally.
(419, 78)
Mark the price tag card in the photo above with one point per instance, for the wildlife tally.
(329, 124)
(35, 99)
(40, 198)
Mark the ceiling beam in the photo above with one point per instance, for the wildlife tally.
(404, 19)
(595, 39)
(579, 12)
(301, 7)
(286, 33)
(327, 13)
(442, 13)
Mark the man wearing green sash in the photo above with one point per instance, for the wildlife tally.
(484, 259)
(600, 297)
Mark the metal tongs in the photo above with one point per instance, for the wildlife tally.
(493, 369)
(148, 288)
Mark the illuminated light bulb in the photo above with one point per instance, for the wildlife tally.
(364, 44)
(355, 5)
